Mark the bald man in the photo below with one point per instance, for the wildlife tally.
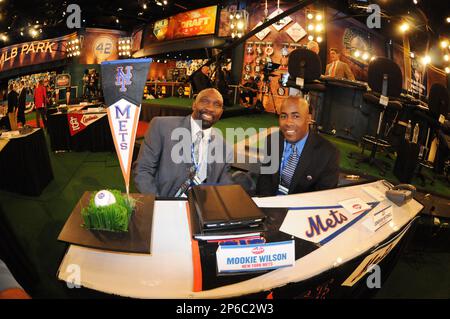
(308, 162)
(179, 152)
(313, 46)
(201, 80)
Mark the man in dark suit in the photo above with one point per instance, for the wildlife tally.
(179, 152)
(306, 161)
(200, 80)
(22, 101)
(13, 101)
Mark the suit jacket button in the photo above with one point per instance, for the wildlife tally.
(309, 178)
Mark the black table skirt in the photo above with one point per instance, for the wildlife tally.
(25, 165)
(95, 137)
(345, 112)
(149, 111)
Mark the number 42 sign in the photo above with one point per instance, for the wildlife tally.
(103, 48)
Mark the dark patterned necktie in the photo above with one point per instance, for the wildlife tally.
(289, 168)
(197, 147)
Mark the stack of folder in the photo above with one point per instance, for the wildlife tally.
(223, 212)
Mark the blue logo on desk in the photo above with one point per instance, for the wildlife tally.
(123, 79)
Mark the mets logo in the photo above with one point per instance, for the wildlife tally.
(257, 250)
(123, 79)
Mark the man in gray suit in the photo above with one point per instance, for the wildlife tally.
(179, 152)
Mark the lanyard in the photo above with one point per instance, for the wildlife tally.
(196, 165)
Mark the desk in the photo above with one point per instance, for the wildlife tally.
(95, 137)
(168, 271)
(25, 164)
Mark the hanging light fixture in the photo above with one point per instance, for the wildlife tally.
(124, 47)
(238, 23)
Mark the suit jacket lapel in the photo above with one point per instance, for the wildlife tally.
(276, 176)
(210, 172)
(304, 161)
(218, 144)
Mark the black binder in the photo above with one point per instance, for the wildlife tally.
(225, 209)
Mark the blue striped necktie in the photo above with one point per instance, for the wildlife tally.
(289, 168)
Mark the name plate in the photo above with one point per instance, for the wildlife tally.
(300, 82)
(384, 100)
(255, 257)
(354, 205)
(379, 219)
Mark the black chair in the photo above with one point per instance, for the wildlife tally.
(438, 105)
(305, 67)
(384, 79)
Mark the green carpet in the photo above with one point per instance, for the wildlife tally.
(183, 103)
(37, 221)
(257, 121)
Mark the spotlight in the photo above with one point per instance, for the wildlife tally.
(310, 38)
(446, 57)
(319, 39)
(365, 56)
(404, 27)
(319, 17)
(444, 44)
(426, 60)
(311, 27)
(357, 54)
(310, 16)
(411, 54)
(447, 70)
(319, 27)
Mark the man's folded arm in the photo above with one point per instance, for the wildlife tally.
(225, 176)
(147, 164)
(330, 176)
(264, 182)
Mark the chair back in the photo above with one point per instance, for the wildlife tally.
(438, 100)
(304, 63)
(380, 67)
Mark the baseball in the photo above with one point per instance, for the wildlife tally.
(104, 198)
